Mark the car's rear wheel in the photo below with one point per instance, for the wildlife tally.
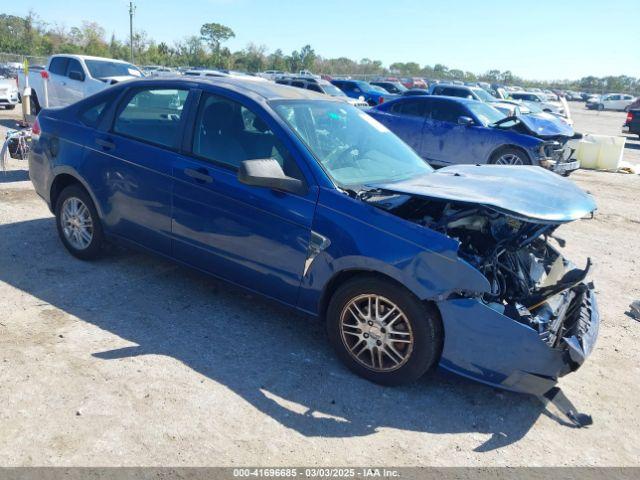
(510, 156)
(600, 107)
(78, 223)
(382, 332)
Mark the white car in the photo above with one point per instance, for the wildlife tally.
(222, 73)
(272, 74)
(74, 77)
(8, 93)
(542, 100)
(611, 101)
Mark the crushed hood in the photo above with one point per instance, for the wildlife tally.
(531, 193)
(541, 125)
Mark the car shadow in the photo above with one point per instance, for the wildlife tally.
(274, 358)
(11, 176)
(10, 123)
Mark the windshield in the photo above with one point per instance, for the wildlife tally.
(484, 95)
(103, 69)
(530, 107)
(331, 89)
(377, 88)
(352, 147)
(485, 113)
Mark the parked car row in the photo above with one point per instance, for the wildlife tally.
(610, 101)
(303, 198)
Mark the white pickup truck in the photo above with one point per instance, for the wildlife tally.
(74, 77)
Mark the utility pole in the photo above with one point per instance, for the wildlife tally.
(132, 8)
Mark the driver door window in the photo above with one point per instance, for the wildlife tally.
(228, 133)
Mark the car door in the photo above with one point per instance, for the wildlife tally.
(128, 164)
(611, 102)
(72, 90)
(57, 80)
(255, 237)
(406, 119)
(444, 144)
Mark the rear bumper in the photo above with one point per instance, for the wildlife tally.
(484, 344)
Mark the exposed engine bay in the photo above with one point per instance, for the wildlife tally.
(530, 281)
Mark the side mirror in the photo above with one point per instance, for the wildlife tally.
(75, 75)
(465, 121)
(267, 172)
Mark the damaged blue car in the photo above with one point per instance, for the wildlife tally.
(452, 130)
(313, 203)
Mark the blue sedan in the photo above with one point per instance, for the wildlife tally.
(452, 130)
(372, 94)
(313, 203)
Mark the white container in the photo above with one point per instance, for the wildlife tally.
(587, 152)
(611, 151)
(601, 152)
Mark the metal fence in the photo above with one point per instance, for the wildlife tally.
(16, 60)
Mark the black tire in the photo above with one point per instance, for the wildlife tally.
(424, 320)
(9, 107)
(600, 107)
(95, 246)
(507, 151)
(35, 104)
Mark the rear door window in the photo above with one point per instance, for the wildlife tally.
(414, 107)
(152, 116)
(91, 115)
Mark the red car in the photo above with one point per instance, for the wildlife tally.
(414, 82)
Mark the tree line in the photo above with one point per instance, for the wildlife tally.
(30, 35)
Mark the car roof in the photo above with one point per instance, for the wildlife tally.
(89, 57)
(265, 91)
(461, 100)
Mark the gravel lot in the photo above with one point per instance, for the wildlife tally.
(134, 361)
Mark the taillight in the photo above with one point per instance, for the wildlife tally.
(381, 101)
(35, 128)
(629, 117)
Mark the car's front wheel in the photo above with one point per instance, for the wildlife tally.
(382, 332)
(510, 156)
(600, 107)
(78, 223)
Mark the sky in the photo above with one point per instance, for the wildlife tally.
(543, 39)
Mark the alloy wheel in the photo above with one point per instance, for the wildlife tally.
(77, 225)
(376, 333)
(509, 159)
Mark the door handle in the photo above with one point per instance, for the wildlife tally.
(106, 144)
(201, 175)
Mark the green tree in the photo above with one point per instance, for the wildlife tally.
(214, 34)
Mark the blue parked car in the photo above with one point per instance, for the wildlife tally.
(450, 130)
(356, 88)
(311, 202)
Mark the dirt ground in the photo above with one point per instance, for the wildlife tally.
(134, 361)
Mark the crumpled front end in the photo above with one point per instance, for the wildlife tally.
(522, 351)
(537, 318)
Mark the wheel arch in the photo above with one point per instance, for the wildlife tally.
(340, 278)
(62, 180)
(343, 276)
